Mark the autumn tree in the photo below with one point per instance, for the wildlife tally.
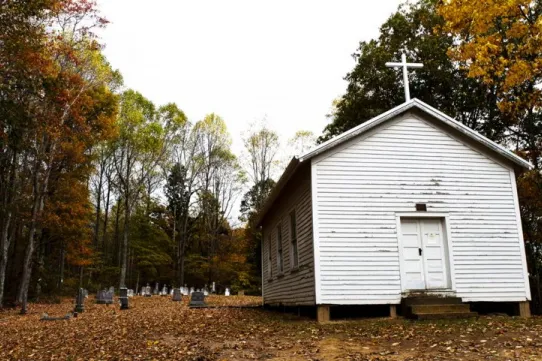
(499, 44)
(302, 142)
(139, 149)
(414, 29)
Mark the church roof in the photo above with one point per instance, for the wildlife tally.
(370, 124)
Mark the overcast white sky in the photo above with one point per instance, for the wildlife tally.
(242, 59)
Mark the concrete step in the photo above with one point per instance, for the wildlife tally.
(437, 316)
(448, 308)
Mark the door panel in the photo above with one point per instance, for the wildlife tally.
(413, 261)
(433, 249)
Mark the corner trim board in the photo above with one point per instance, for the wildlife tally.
(315, 232)
(520, 235)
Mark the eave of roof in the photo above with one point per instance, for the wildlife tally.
(349, 134)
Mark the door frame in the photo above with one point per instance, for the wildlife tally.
(446, 242)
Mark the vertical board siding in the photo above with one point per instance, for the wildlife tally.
(294, 286)
(363, 185)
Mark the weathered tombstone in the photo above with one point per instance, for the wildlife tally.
(85, 293)
(241, 293)
(143, 291)
(184, 291)
(191, 290)
(164, 291)
(213, 288)
(108, 295)
(227, 292)
(205, 292)
(177, 296)
(156, 289)
(123, 297)
(130, 293)
(197, 299)
(112, 290)
(79, 301)
(100, 297)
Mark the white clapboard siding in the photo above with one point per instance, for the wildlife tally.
(361, 186)
(293, 287)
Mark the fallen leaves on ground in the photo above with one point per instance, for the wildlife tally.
(156, 328)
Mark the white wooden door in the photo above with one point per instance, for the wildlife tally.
(413, 272)
(433, 253)
(424, 262)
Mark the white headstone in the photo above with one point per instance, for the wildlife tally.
(227, 293)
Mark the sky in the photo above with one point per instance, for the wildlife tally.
(245, 60)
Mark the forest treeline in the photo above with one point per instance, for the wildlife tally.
(99, 186)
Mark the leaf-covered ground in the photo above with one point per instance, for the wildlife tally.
(157, 328)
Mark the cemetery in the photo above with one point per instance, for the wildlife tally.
(158, 328)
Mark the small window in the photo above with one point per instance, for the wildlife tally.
(293, 237)
(280, 261)
(269, 265)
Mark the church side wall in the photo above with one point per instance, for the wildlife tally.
(362, 186)
(294, 286)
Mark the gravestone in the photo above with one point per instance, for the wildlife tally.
(213, 288)
(177, 296)
(143, 291)
(100, 297)
(164, 291)
(205, 292)
(156, 289)
(79, 301)
(130, 293)
(109, 297)
(123, 298)
(227, 292)
(104, 297)
(148, 291)
(85, 293)
(197, 299)
(191, 290)
(184, 291)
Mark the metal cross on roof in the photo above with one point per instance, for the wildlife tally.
(403, 64)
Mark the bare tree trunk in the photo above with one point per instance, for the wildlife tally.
(98, 208)
(27, 263)
(125, 242)
(81, 276)
(4, 248)
(5, 239)
(106, 217)
(137, 283)
(62, 263)
(117, 240)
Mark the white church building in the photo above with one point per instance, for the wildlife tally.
(409, 202)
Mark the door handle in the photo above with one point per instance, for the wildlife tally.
(419, 251)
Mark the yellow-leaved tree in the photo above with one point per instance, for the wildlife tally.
(499, 42)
